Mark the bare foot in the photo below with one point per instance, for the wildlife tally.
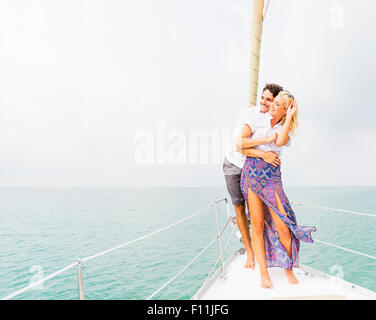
(265, 282)
(250, 263)
(291, 277)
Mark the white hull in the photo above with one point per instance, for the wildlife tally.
(241, 283)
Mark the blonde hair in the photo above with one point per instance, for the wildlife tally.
(288, 99)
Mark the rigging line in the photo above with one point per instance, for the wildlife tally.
(182, 270)
(345, 249)
(104, 252)
(30, 286)
(193, 260)
(144, 237)
(333, 209)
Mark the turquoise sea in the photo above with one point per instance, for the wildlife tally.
(45, 229)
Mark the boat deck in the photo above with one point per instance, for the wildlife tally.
(240, 283)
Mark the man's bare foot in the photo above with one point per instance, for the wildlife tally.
(291, 277)
(250, 263)
(265, 282)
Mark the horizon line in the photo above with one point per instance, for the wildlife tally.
(161, 187)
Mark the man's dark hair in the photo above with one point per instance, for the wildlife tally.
(273, 88)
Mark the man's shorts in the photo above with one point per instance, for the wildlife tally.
(232, 176)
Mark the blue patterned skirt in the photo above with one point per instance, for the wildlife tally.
(264, 180)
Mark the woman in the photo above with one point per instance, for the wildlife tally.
(275, 233)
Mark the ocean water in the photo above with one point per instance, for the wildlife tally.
(45, 229)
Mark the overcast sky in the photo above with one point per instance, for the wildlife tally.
(115, 93)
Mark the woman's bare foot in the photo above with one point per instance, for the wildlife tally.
(250, 263)
(291, 277)
(265, 282)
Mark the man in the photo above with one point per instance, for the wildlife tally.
(234, 161)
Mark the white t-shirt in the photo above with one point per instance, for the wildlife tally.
(262, 128)
(246, 115)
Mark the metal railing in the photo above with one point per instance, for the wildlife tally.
(221, 249)
(79, 262)
(218, 238)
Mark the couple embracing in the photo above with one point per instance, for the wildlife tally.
(252, 170)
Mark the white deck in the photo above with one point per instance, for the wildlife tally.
(244, 284)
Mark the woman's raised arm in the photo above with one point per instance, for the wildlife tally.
(283, 135)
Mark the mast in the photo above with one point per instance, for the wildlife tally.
(256, 35)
